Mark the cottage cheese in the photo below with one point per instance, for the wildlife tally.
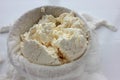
(55, 41)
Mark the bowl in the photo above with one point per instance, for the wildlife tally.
(34, 71)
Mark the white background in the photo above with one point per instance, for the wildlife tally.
(109, 10)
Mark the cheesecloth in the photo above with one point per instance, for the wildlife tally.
(75, 70)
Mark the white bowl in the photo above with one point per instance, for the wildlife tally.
(35, 71)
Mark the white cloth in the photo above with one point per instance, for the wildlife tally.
(87, 66)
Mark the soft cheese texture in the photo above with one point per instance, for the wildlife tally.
(55, 41)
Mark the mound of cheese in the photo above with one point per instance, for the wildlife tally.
(55, 40)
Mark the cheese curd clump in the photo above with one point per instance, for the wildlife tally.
(55, 40)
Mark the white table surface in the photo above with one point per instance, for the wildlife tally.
(109, 41)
